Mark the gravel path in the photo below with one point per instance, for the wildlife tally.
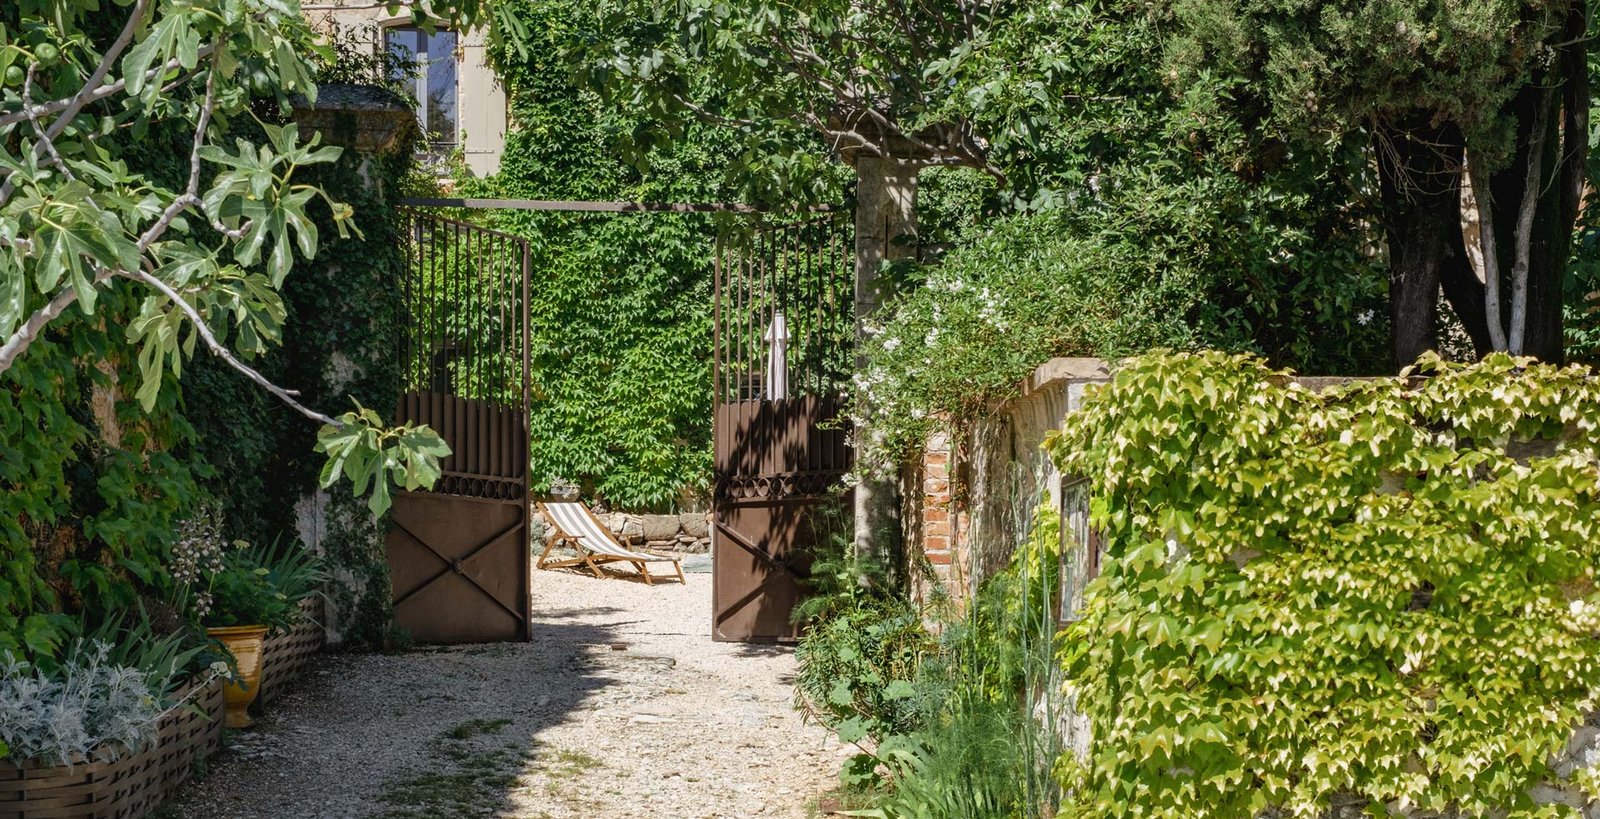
(620, 706)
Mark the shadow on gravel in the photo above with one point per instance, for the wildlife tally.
(474, 764)
(435, 732)
(763, 649)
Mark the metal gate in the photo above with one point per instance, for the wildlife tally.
(785, 333)
(459, 554)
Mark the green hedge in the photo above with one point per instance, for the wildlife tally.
(1383, 594)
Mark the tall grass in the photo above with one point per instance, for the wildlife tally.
(969, 731)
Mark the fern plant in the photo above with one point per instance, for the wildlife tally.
(966, 766)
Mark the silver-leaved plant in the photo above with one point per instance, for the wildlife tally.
(89, 708)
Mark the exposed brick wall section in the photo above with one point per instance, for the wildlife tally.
(966, 503)
(963, 499)
(928, 528)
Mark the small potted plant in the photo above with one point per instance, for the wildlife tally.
(240, 594)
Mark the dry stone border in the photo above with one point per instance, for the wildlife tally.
(621, 706)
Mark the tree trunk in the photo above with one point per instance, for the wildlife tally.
(886, 199)
(1566, 151)
(1419, 174)
(1464, 292)
(1418, 165)
(1561, 154)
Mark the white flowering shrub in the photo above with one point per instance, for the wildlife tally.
(1172, 268)
(89, 708)
(992, 312)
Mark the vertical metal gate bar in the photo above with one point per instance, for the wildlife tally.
(742, 316)
(525, 334)
(717, 390)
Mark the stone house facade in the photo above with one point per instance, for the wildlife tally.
(462, 103)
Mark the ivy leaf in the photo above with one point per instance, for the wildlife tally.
(41, 633)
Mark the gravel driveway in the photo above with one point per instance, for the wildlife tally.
(620, 706)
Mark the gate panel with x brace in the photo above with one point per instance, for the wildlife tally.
(785, 340)
(458, 555)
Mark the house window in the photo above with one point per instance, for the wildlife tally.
(434, 86)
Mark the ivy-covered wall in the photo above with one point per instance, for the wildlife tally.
(971, 496)
(340, 343)
(621, 310)
(1381, 597)
(90, 486)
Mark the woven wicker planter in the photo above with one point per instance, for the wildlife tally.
(127, 788)
(283, 656)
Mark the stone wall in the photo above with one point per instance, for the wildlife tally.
(971, 498)
(329, 362)
(689, 533)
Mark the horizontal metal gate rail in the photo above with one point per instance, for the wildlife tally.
(585, 206)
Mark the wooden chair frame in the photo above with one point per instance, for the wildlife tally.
(589, 558)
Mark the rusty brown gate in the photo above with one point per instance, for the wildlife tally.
(459, 554)
(785, 333)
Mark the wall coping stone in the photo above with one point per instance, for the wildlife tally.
(1061, 370)
(361, 117)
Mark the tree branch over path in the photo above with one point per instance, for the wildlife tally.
(81, 204)
(222, 352)
(875, 77)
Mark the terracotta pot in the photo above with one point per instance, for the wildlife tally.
(244, 643)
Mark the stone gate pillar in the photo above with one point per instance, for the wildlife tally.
(886, 227)
(372, 125)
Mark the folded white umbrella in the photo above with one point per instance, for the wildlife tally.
(777, 339)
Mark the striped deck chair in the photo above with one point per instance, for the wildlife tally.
(576, 526)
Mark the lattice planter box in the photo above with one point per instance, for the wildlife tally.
(127, 788)
(283, 656)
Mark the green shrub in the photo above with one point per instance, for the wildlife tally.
(966, 765)
(943, 717)
(1383, 594)
(100, 699)
(861, 650)
(221, 584)
(1155, 266)
(984, 750)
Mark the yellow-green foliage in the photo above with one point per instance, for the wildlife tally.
(1382, 592)
(1000, 646)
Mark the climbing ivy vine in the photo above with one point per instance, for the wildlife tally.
(1380, 595)
(621, 305)
(345, 316)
